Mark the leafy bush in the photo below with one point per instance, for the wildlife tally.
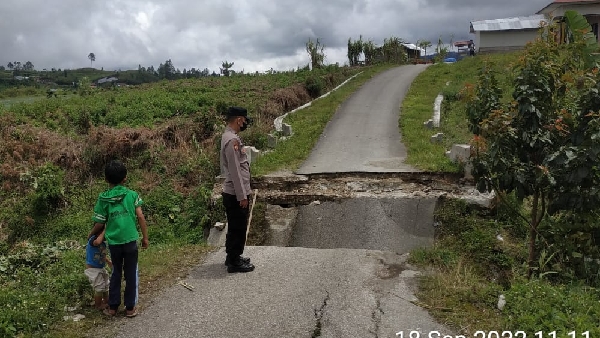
(571, 244)
(37, 283)
(314, 86)
(48, 182)
(473, 234)
(536, 305)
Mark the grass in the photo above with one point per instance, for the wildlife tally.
(308, 125)
(50, 183)
(469, 268)
(26, 99)
(459, 297)
(417, 107)
(160, 267)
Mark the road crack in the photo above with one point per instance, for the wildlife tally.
(319, 317)
(376, 318)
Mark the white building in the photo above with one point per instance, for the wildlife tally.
(505, 34)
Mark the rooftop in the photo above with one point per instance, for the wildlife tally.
(557, 3)
(516, 23)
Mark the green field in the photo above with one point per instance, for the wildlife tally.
(480, 255)
(27, 99)
(53, 152)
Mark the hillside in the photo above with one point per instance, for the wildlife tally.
(53, 151)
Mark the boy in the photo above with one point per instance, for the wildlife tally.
(118, 209)
(96, 273)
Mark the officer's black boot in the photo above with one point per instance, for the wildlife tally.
(238, 265)
(228, 260)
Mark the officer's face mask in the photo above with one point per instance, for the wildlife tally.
(245, 124)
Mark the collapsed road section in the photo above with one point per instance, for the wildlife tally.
(391, 212)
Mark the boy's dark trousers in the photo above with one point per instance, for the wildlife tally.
(237, 223)
(125, 263)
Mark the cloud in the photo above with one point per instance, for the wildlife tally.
(255, 34)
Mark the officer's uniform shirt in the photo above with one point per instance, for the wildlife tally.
(235, 165)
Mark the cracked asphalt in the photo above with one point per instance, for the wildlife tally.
(294, 292)
(336, 282)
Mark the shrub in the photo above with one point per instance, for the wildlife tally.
(535, 305)
(314, 86)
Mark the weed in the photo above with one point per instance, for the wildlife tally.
(417, 107)
(537, 305)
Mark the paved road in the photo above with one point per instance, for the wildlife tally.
(338, 286)
(363, 135)
(392, 224)
(294, 292)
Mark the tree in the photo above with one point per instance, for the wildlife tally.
(2, 68)
(28, 66)
(545, 144)
(315, 50)
(393, 50)
(84, 86)
(166, 70)
(369, 50)
(355, 49)
(10, 65)
(425, 44)
(225, 68)
(440, 45)
(92, 58)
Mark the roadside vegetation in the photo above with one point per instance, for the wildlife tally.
(448, 80)
(53, 151)
(532, 262)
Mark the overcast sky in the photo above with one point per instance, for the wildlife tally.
(254, 34)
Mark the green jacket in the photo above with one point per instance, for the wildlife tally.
(116, 208)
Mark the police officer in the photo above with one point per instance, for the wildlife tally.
(236, 189)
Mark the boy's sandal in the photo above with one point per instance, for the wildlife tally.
(132, 313)
(109, 312)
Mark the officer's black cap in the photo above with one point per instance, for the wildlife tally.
(237, 111)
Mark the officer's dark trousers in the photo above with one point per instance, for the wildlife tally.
(237, 223)
(125, 263)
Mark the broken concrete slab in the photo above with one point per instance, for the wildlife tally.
(473, 197)
(437, 108)
(287, 130)
(217, 237)
(437, 138)
(252, 153)
(469, 170)
(220, 226)
(459, 153)
(428, 124)
(281, 223)
(271, 141)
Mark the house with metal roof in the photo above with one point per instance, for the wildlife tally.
(505, 34)
(590, 9)
(514, 33)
